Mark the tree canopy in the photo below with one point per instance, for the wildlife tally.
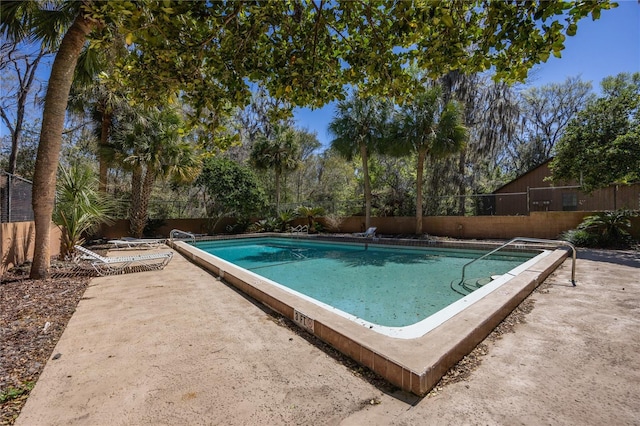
(429, 126)
(601, 146)
(302, 51)
(230, 189)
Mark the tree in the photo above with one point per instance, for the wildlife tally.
(303, 52)
(544, 114)
(359, 127)
(309, 143)
(22, 67)
(91, 97)
(428, 126)
(491, 116)
(80, 207)
(279, 153)
(230, 189)
(150, 145)
(393, 185)
(26, 156)
(601, 145)
(26, 19)
(329, 180)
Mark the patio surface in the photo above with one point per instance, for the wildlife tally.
(179, 347)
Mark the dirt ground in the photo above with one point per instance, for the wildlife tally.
(179, 347)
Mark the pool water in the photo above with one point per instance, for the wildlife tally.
(389, 286)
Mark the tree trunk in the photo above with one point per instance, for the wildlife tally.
(367, 185)
(104, 141)
(55, 105)
(136, 197)
(15, 145)
(422, 153)
(25, 82)
(277, 191)
(462, 200)
(142, 213)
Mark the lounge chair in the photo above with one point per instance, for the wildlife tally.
(370, 233)
(129, 242)
(116, 265)
(300, 229)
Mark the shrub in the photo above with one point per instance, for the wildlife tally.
(580, 238)
(266, 225)
(607, 229)
(611, 228)
(284, 219)
(80, 208)
(310, 213)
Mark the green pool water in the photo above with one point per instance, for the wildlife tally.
(389, 286)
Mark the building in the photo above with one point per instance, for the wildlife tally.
(533, 191)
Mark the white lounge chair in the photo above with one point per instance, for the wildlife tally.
(300, 229)
(129, 242)
(369, 233)
(116, 265)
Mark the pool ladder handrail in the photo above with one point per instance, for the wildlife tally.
(186, 235)
(531, 240)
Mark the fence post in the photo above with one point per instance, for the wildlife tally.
(528, 202)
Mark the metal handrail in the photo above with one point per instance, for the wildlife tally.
(188, 235)
(530, 240)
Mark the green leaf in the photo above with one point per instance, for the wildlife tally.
(447, 20)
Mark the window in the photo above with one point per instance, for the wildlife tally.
(570, 201)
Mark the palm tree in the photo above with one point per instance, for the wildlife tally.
(279, 152)
(44, 20)
(80, 208)
(149, 144)
(102, 102)
(359, 127)
(428, 126)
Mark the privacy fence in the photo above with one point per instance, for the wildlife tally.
(535, 199)
(15, 199)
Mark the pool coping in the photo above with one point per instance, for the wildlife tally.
(415, 365)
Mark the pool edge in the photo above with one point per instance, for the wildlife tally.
(414, 365)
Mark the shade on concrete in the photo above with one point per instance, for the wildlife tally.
(179, 347)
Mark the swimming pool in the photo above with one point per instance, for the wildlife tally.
(413, 357)
(388, 289)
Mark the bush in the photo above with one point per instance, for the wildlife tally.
(80, 208)
(270, 224)
(607, 229)
(580, 238)
(285, 217)
(611, 228)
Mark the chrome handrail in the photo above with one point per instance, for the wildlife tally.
(177, 232)
(530, 240)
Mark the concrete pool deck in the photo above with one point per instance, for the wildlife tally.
(415, 357)
(179, 347)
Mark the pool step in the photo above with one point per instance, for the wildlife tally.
(468, 287)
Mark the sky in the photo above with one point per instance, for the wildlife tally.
(607, 46)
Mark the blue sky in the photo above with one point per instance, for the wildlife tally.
(607, 46)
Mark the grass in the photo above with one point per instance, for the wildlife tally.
(14, 393)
